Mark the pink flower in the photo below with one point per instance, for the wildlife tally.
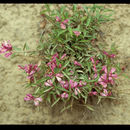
(48, 83)
(65, 21)
(30, 69)
(59, 76)
(93, 93)
(29, 97)
(81, 84)
(64, 95)
(73, 84)
(105, 93)
(8, 54)
(76, 91)
(111, 55)
(57, 19)
(94, 67)
(60, 65)
(77, 63)
(72, 72)
(104, 80)
(6, 47)
(64, 84)
(37, 100)
(49, 74)
(111, 76)
(62, 57)
(97, 61)
(62, 26)
(104, 68)
(104, 52)
(95, 75)
(55, 56)
(76, 33)
(92, 60)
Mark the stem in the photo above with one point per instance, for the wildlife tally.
(23, 51)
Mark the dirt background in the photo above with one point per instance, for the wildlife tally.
(19, 23)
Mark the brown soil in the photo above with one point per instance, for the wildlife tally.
(19, 23)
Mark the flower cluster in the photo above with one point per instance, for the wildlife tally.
(6, 47)
(74, 67)
(63, 25)
(30, 69)
(29, 97)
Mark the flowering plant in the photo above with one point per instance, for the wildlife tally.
(73, 64)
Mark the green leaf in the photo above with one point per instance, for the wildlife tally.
(65, 108)
(56, 70)
(25, 47)
(55, 102)
(70, 31)
(74, 7)
(16, 48)
(48, 89)
(61, 88)
(66, 64)
(61, 32)
(69, 48)
(52, 52)
(77, 47)
(89, 107)
(99, 99)
(88, 21)
(83, 18)
(65, 75)
(126, 76)
(13, 55)
(36, 90)
(49, 98)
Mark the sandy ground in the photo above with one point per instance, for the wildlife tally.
(19, 23)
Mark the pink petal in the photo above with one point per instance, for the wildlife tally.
(93, 93)
(62, 26)
(76, 33)
(77, 63)
(60, 75)
(102, 94)
(48, 83)
(58, 78)
(57, 19)
(8, 54)
(112, 70)
(64, 55)
(28, 97)
(55, 56)
(36, 103)
(114, 76)
(64, 95)
(81, 83)
(92, 60)
(104, 52)
(60, 65)
(112, 56)
(104, 76)
(104, 68)
(65, 21)
(38, 99)
(75, 84)
(95, 76)
(76, 91)
(103, 84)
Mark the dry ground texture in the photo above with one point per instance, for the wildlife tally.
(19, 23)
